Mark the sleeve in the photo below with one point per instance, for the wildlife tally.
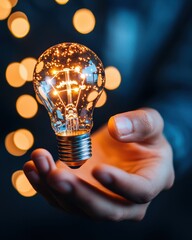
(173, 96)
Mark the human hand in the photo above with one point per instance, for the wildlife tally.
(130, 166)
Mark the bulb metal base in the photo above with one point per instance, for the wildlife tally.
(74, 150)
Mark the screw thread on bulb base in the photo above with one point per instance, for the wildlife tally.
(74, 150)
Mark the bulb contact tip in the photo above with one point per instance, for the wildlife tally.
(74, 150)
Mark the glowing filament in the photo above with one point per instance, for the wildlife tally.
(77, 69)
(63, 83)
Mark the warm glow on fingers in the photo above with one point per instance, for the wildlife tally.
(26, 106)
(10, 146)
(113, 78)
(23, 139)
(29, 64)
(21, 184)
(16, 74)
(102, 100)
(84, 21)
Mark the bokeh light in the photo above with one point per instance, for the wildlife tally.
(84, 21)
(10, 146)
(26, 106)
(29, 64)
(16, 74)
(18, 24)
(113, 78)
(20, 27)
(39, 67)
(102, 100)
(13, 2)
(92, 96)
(23, 139)
(5, 4)
(15, 15)
(61, 2)
(21, 184)
(5, 9)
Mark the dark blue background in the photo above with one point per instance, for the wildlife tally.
(161, 71)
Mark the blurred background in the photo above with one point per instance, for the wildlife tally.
(115, 32)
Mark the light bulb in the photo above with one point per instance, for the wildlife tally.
(69, 79)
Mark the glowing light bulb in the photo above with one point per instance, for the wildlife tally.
(69, 79)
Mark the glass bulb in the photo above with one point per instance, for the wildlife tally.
(69, 79)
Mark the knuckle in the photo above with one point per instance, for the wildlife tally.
(171, 180)
(117, 215)
(124, 214)
(139, 217)
(147, 196)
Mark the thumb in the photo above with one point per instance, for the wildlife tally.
(136, 126)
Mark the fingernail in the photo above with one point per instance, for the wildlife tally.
(124, 125)
(42, 164)
(104, 177)
(63, 187)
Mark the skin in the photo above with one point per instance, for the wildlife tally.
(132, 163)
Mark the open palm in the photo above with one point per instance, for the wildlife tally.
(127, 170)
